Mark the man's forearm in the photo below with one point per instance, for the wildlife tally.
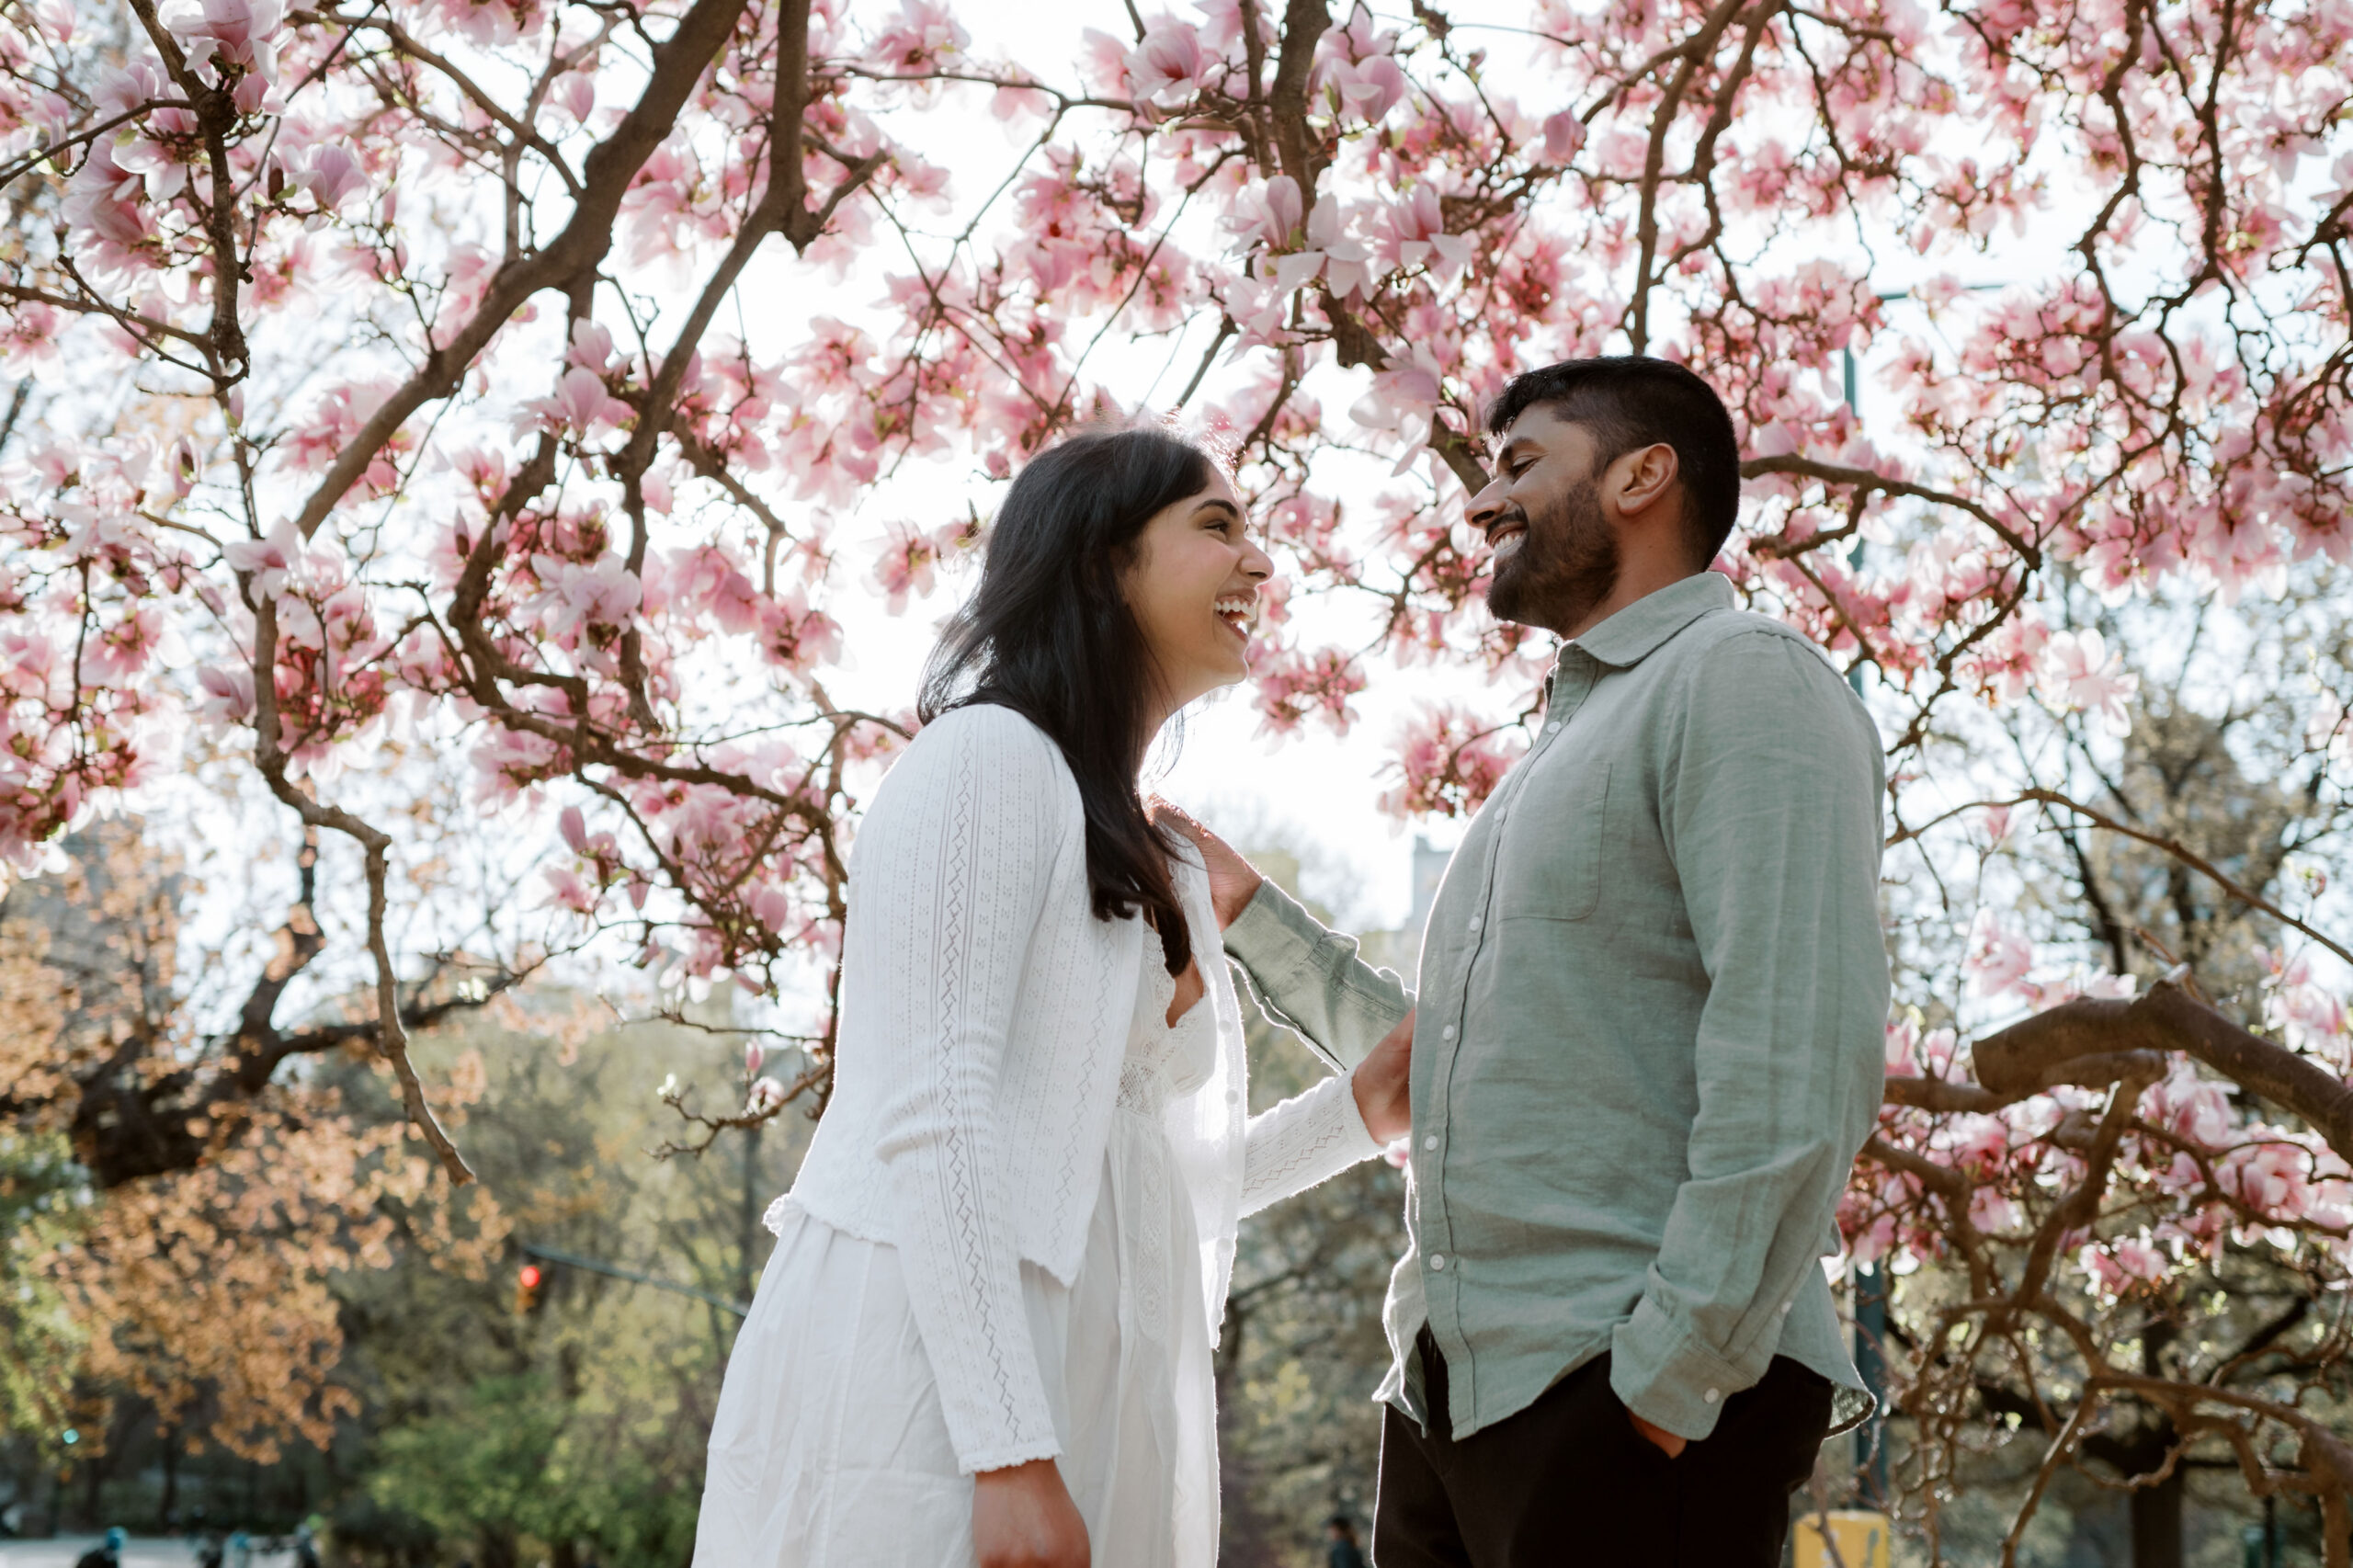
(1313, 981)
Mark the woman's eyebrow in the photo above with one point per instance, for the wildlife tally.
(1228, 507)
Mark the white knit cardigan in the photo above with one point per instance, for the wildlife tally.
(984, 1014)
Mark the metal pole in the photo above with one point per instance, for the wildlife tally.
(1870, 1361)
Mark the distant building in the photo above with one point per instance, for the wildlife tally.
(1430, 867)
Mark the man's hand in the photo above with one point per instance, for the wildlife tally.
(1234, 882)
(1380, 1082)
(1669, 1443)
(1023, 1518)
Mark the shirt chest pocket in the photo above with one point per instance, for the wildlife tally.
(1549, 859)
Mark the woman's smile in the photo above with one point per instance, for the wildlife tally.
(1239, 612)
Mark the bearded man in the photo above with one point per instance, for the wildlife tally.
(1647, 1034)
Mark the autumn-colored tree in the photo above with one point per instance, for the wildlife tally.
(197, 1279)
(417, 380)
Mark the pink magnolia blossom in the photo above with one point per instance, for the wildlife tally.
(1167, 65)
(1563, 135)
(1998, 958)
(580, 405)
(2081, 676)
(579, 597)
(1268, 215)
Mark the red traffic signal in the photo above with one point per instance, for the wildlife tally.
(527, 1288)
(531, 1277)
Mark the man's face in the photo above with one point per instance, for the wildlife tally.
(1555, 554)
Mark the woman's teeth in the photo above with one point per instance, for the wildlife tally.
(1238, 613)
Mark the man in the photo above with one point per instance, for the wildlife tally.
(1647, 1039)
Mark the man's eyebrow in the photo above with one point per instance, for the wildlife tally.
(1512, 448)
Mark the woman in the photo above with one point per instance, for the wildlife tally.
(986, 1333)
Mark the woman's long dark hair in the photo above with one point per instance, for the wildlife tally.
(1048, 634)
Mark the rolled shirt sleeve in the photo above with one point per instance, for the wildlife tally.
(1770, 805)
(1313, 981)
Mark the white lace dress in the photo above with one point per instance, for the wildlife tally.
(829, 1448)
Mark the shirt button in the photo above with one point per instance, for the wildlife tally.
(1474, 922)
(1787, 1305)
(1447, 1033)
(1711, 1396)
(1431, 1142)
(1438, 1263)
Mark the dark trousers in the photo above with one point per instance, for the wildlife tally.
(1569, 1480)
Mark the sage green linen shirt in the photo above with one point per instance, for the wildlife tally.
(1651, 998)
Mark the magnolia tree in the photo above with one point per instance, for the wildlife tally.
(449, 416)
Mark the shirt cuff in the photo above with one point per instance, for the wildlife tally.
(1667, 1375)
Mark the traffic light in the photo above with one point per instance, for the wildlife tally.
(527, 1289)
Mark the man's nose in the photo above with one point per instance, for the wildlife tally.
(1486, 504)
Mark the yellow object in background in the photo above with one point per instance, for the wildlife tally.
(1864, 1539)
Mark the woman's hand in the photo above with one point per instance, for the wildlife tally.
(1023, 1518)
(1234, 882)
(1380, 1081)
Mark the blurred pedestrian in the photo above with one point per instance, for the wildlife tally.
(306, 1548)
(1343, 1552)
(108, 1553)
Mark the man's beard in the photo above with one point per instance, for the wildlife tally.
(1567, 563)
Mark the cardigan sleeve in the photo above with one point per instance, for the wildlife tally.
(1307, 1140)
(961, 842)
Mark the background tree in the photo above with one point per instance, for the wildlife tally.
(419, 456)
(2201, 1329)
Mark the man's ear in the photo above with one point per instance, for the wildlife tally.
(1640, 478)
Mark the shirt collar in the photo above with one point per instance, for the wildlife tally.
(1629, 636)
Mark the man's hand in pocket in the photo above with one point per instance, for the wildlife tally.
(1669, 1443)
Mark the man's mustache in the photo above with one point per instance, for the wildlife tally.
(1517, 515)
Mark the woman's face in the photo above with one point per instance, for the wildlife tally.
(1194, 591)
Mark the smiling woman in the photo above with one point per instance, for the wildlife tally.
(1097, 619)
(1194, 590)
(1008, 1250)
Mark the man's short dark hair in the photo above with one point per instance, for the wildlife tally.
(1629, 401)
